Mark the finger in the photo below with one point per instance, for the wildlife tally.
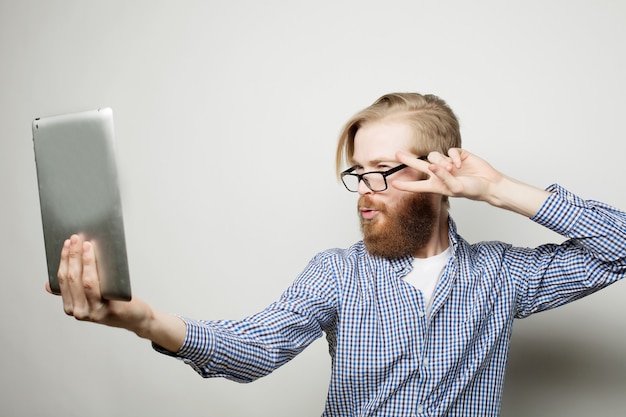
(91, 286)
(423, 186)
(75, 276)
(432, 184)
(62, 278)
(448, 181)
(91, 281)
(437, 158)
(419, 163)
(438, 167)
(49, 289)
(455, 156)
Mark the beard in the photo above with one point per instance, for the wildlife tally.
(401, 230)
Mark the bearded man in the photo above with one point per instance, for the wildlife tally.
(418, 321)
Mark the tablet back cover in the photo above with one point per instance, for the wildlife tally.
(79, 193)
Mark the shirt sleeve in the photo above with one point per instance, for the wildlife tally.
(592, 257)
(245, 350)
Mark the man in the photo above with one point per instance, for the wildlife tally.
(418, 321)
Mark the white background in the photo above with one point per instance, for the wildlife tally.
(227, 114)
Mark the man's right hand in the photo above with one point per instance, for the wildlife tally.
(80, 291)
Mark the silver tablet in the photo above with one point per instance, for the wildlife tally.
(79, 193)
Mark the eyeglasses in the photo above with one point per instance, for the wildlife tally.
(374, 180)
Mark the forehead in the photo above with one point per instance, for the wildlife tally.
(380, 140)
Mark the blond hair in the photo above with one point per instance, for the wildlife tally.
(435, 125)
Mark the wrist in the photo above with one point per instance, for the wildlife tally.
(516, 196)
(163, 329)
(144, 327)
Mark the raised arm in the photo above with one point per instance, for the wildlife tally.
(462, 174)
(80, 291)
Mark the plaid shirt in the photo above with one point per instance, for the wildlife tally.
(389, 358)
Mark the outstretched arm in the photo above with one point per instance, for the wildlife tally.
(80, 291)
(462, 174)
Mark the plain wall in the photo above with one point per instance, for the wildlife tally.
(227, 114)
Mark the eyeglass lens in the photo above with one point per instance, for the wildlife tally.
(374, 180)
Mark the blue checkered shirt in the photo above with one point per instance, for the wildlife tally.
(390, 358)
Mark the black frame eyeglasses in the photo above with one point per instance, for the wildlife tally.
(374, 180)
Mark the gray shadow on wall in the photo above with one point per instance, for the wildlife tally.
(564, 376)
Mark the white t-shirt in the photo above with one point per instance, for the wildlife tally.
(426, 273)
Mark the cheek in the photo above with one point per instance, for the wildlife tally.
(409, 174)
(397, 200)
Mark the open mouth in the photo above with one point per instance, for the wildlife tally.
(368, 209)
(368, 214)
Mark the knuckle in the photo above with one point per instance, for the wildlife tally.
(82, 314)
(88, 285)
(456, 189)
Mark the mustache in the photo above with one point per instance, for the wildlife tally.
(366, 201)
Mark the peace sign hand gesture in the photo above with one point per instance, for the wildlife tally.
(463, 174)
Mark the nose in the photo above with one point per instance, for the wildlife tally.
(363, 189)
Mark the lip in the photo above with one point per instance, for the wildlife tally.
(369, 208)
(368, 214)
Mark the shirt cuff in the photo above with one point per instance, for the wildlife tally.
(560, 211)
(197, 347)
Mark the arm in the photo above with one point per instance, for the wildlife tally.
(462, 174)
(80, 291)
(245, 350)
(239, 350)
(592, 257)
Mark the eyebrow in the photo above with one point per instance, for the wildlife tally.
(377, 161)
(373, 161)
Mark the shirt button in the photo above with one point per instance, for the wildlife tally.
(420, 408)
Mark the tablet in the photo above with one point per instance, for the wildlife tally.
(79, 193)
